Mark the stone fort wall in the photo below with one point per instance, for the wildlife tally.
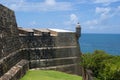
(18, 53)
(8, 32)
(10, 53)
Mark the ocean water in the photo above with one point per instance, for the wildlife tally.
(110, 43)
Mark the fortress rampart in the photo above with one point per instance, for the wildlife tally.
(22, 49)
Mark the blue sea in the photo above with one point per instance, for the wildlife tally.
(110, 43)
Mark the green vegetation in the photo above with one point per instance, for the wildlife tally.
(49, 75)
(103, 65)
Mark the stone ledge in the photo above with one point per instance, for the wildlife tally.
(54, 67)
(16, 71)
(70, 68)
(53, 59)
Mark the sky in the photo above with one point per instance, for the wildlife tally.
(94, 16)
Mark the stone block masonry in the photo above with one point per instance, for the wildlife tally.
(17, 71)
(10, 51)
(22, 49)
(8, 32)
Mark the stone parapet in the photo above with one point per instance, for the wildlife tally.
(9, 61)
(17, 71)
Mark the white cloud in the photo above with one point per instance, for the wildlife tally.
(73, 19)
(33, 23)
(92, 22)
(9, 2)
(47, 5)
(50, 2)
(119, 7)
(81, 1)
(104, 12)
(117, 12)
(106, 2)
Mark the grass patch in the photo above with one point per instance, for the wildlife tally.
(49, 75)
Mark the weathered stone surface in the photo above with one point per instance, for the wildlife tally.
(8, 32)
(7, 62)
(44, 49)
(16, 72)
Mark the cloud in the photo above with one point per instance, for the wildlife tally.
(50, 2)
(102, 10)
(81, 1)
(9, 2)
(105, 2)
(73, 19)
(103, 14)
(117, 12)
(47, 5)
(119, 7)
(33, 23)
(92, 22)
